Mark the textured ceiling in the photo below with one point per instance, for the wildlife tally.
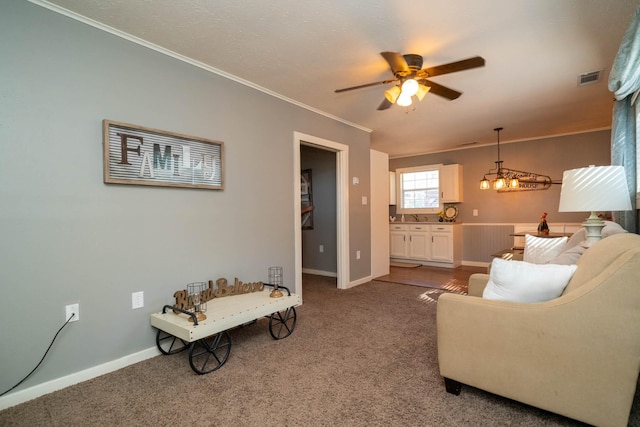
(304, 50)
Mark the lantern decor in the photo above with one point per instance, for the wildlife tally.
(195, 299)
(275, 279)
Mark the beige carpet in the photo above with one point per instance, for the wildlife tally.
(365, 356)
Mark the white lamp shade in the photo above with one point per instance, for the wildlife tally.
(596, 188)
(392, 94)
(422, 91)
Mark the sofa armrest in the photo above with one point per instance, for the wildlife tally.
(557, 355)
(477, 283)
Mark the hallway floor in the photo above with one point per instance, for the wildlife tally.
(453, 279)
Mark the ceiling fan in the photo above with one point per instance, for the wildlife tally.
(412, 78)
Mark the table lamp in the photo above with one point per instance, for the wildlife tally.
(593, 189)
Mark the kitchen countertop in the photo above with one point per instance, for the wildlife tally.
(424, 222)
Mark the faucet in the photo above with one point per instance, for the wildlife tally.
(415, 217)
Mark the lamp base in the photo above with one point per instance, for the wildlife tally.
(199, 315)
(276, 293)
(593, 226)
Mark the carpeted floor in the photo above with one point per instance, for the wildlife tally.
(365, 356)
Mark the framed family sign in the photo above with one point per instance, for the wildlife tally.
(143, 156)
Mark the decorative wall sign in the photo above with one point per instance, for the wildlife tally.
(222, 289)
(143, 156)
(530, 182)
(306, 197)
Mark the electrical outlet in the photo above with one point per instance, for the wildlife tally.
(72, 309)
(357, 254)
(475, 212)
(321, 248)
(137, 300)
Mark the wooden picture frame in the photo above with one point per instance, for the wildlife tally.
(306, 197)
(144, 156)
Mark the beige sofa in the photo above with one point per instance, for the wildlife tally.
(577, 355)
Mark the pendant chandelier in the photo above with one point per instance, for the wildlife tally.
(513, 180)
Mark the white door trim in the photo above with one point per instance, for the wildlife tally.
(342, 205)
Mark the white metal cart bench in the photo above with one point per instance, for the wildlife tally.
(207, 340)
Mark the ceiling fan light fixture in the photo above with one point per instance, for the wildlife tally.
(422, 91)
(410, 87)
(404, 100)
(392, 94)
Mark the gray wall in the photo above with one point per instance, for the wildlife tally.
(67, 237)
(323, 180)
(549, 156)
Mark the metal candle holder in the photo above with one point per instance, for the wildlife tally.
(275, 278)
(194, 295)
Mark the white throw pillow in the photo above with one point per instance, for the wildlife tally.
(520, 281)
(539, 250)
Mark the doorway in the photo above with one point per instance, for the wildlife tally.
(342, 206)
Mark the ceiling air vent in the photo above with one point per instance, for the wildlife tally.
(588, 78)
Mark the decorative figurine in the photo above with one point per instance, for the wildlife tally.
(543, 228)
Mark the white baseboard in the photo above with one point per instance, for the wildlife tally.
(359, 282)
(320, 272)
(30, 393)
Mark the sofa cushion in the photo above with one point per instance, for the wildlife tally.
(574, 249)
(568, 256)
(576, 239)
(539, 250)
(520, 281)
(611, 228)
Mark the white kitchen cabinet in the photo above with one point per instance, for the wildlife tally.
(451, 184)
(398, 247)
(392, 188)
(435, 244)
(419, 241)
(442, 243)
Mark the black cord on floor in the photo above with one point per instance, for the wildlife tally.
(40, 362)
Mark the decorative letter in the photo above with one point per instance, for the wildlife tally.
(159, 160)
(223, 290)
(146, 160)
(123, 147)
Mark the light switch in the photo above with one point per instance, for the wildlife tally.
(356, 180)
(364, 200)
(475, 212)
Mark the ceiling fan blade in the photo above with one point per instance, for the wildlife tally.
(397, 63)
(442, 90)
(452, 67)
(384, 82)
(384, 104)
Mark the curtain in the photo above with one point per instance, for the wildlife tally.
(624, 82)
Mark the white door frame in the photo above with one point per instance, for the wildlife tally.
(342, 205)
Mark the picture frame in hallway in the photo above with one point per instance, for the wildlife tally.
(306, 197)
(144, 156)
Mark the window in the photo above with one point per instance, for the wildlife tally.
(418, 189)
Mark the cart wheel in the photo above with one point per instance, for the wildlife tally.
(168, 344)
(282, 323)
(208, 354)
